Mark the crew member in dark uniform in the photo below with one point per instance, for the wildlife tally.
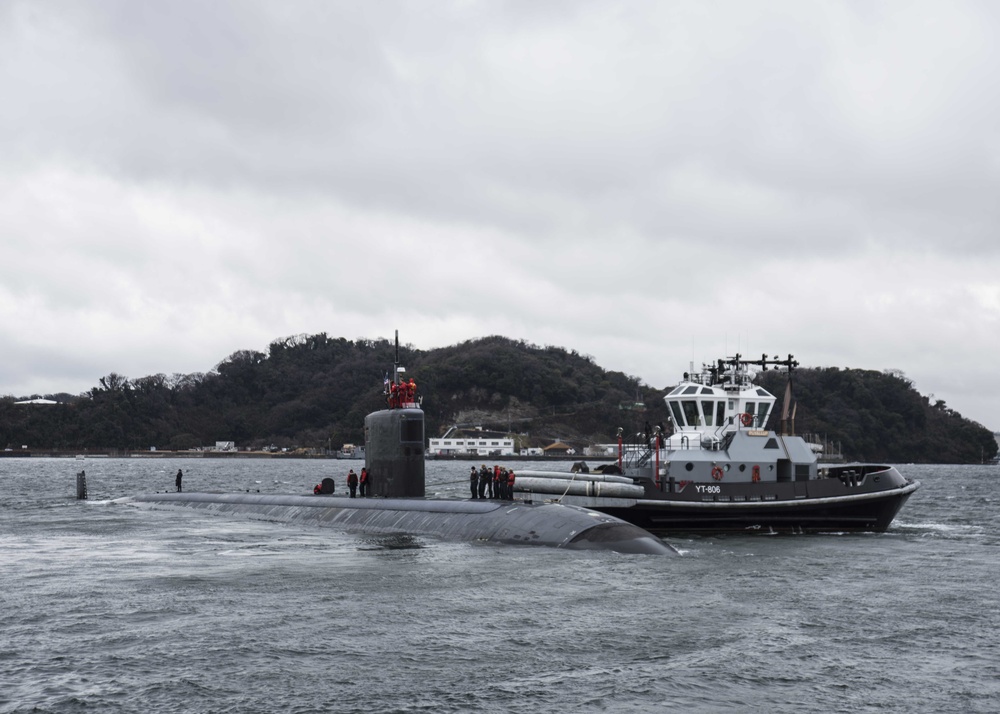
(177, 481)
(474, 482)
(352, 482)
(485, 481)
(363, 482)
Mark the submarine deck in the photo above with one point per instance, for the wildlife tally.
(502, 522)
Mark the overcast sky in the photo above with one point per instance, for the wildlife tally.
(648, 183)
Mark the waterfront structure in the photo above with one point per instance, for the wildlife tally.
(471, 442)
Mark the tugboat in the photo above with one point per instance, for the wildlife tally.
(721, 469)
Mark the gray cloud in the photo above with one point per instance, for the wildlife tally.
(646, 183)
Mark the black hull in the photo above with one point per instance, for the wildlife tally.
(873, 513)
(496, 522)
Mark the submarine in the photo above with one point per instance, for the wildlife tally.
(394, 459)
(495, 522)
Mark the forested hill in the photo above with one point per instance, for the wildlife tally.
(879, 416)
(313, 391)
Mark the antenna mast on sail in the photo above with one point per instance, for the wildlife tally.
(395, 362)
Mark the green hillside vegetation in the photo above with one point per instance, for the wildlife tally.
(879, 416)
(313, 392)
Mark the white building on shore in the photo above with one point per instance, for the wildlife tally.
(472, 441)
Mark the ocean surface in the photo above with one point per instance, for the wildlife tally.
(106, 607)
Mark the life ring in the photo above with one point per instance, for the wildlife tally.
(756, 474)
(717, 473)
(746, 419)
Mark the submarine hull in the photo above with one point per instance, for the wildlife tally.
(507, 523)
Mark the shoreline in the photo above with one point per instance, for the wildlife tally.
(114, 454)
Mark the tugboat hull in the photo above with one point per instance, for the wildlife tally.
(866, 500)
(855, 513)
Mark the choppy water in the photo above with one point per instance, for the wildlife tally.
(111, 608)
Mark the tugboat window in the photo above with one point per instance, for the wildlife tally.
(691, 412)
(707, 408)
(743, 467)
(690, 390)
(676, 409)
(688, 466)
(720, 412)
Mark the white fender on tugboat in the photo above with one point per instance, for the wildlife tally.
(572, 487)
(570, 476)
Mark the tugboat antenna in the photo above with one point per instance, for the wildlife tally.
(789, 406)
